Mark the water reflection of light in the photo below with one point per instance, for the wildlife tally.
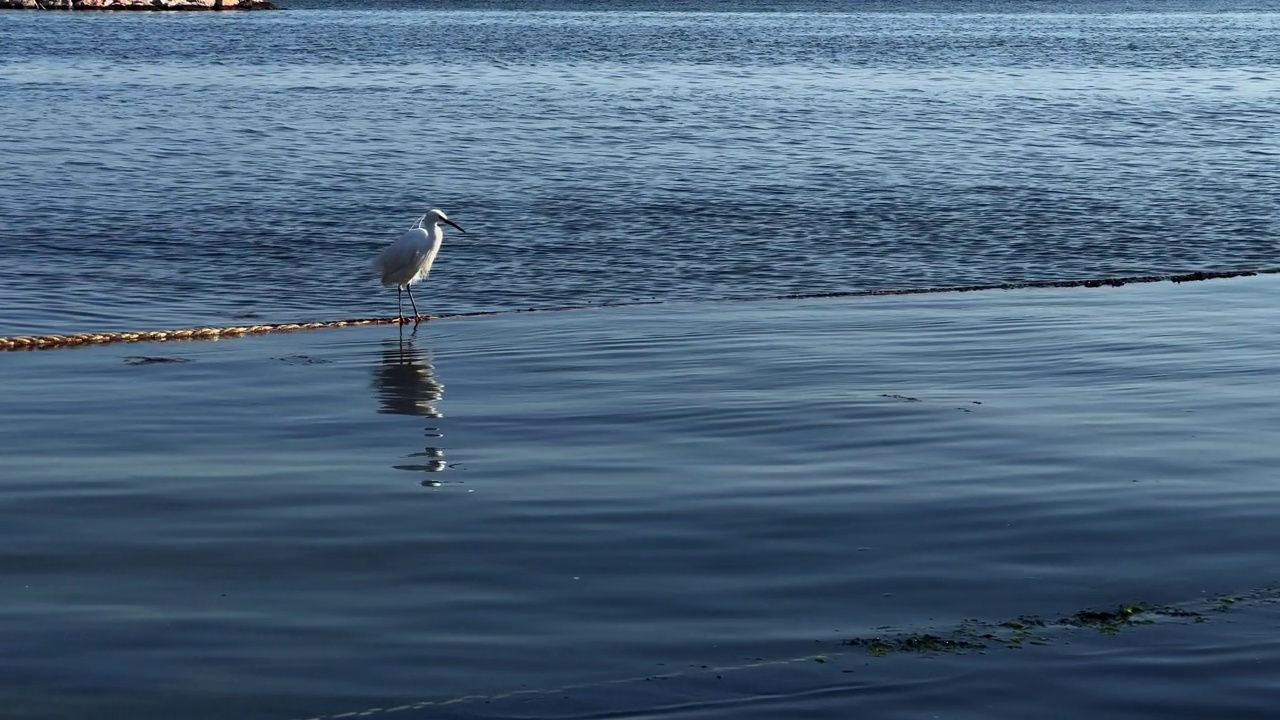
(406, 384)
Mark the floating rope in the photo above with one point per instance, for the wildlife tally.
(50, 342)
(53, 342)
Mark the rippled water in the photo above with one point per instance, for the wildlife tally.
(170, 170)
(298, 525)
(671, 508)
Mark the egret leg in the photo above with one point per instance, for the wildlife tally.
(416, 316)
(400, 304)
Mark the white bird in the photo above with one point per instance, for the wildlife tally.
(408, 259)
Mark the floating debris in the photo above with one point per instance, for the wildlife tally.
(1014, 632)
(919, 642)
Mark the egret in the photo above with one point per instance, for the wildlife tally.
(408, 259)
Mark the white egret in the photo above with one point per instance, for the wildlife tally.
(408, 259)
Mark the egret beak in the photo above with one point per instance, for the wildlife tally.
(464, 232)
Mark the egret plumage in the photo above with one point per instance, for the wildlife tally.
(408, 259)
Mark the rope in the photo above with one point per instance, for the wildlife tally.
(51, 342)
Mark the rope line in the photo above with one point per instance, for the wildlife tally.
(51, 342)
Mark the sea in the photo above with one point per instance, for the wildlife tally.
(756, 455)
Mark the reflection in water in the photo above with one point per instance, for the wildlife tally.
(405, 380)
(406, 384)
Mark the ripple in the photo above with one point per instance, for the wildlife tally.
(626, 155)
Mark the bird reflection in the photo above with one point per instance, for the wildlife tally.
(406, 381)
(406, 384)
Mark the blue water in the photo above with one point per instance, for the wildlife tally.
(366, 520)
(183, 169)
(296, 525)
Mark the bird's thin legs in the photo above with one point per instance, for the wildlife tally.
(400, 304)
(416, 316)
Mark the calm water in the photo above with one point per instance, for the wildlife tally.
(171, 170)
(616, 493)
(300, 526)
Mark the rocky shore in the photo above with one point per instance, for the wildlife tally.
(138, 5)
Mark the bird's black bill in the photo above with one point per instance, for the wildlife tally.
(455, 225)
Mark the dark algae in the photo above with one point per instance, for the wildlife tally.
(1013, 633)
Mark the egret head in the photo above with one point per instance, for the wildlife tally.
(435, 217)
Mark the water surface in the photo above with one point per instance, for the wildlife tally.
(179, 169)
(310, 524)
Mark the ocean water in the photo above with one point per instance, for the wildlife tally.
(183, 169)
(685, 509)
(302, 525)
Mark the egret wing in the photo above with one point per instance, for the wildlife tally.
(400, 261)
